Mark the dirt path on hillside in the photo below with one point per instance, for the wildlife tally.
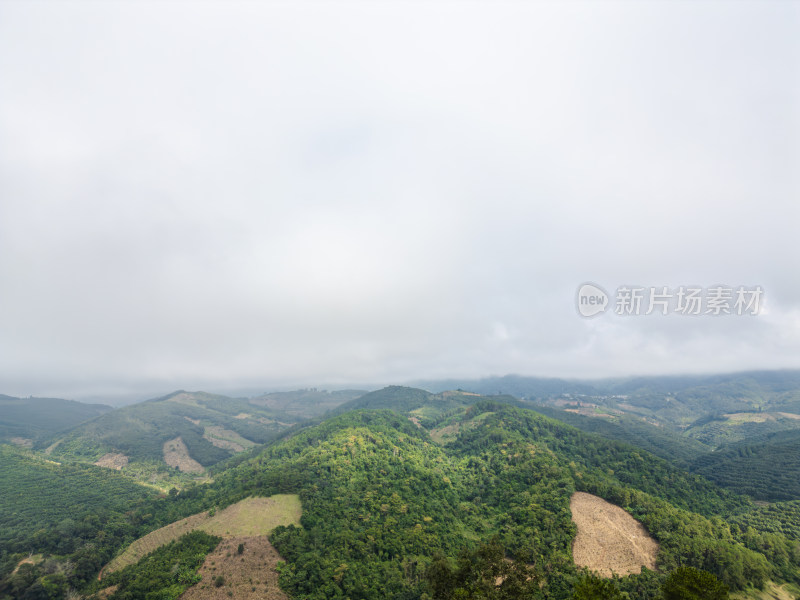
(250, 575)
(609, 540)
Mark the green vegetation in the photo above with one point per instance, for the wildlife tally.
(766, 470)
(676, 402)
(381, 499)
(388, 512)
(248, 517)
(481, 573)
(139, 431)
(720, 430)
(36, 419)
(50, 507)
(428, 410)
(164, 573)
(75, 514)
(660, 441)
(306, 403)
(686, 583)
(596, 588)
(782, 517)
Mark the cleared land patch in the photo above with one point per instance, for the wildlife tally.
(789, 415)
(609, 540)
(447, 433)
(227, 439)
(176, 454)
(745, 417)
(249, 517)
(113, 460)
(250, 575)
(771, 591)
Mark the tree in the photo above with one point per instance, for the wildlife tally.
(688, 583)
(484, 573)
(595, 588)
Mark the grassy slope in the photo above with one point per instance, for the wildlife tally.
(249, 517)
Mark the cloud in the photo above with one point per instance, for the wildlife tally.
(202, 195)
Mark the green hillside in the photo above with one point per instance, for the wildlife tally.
(766, 469)
(718, 430)
(27, 421)
(212, 428)
(425, 501)
(672, 401)
(662, 442)
(72, 517)
(781, 517)
(380, 499)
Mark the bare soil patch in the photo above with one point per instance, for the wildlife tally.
(609, 540)
(113, 460)
(250, 575)
(250, 517)
(176, 454)
(21, 441)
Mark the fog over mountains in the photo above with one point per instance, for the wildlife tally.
(265, 196)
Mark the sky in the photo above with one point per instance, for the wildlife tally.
(228, 195)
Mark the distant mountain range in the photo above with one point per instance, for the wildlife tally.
(411, 493)
(181, 436)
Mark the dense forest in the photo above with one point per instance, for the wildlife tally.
(390, 512)
(765, 469)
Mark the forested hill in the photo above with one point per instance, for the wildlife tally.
(672, 401)
(381, 498)
(181, 434)
(424, 408)
(751, 384)
(27, 421)
(422, 503)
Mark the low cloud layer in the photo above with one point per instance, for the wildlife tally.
(224, 195)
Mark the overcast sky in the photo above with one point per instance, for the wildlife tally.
(222, 195)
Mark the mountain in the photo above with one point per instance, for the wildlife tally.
(660, 441)
(407, 494)
(712, 409)
(381, 497)
(181, 433)
(423, 408)
(306, 403)
(27, 421)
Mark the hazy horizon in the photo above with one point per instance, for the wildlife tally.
(244, 195)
